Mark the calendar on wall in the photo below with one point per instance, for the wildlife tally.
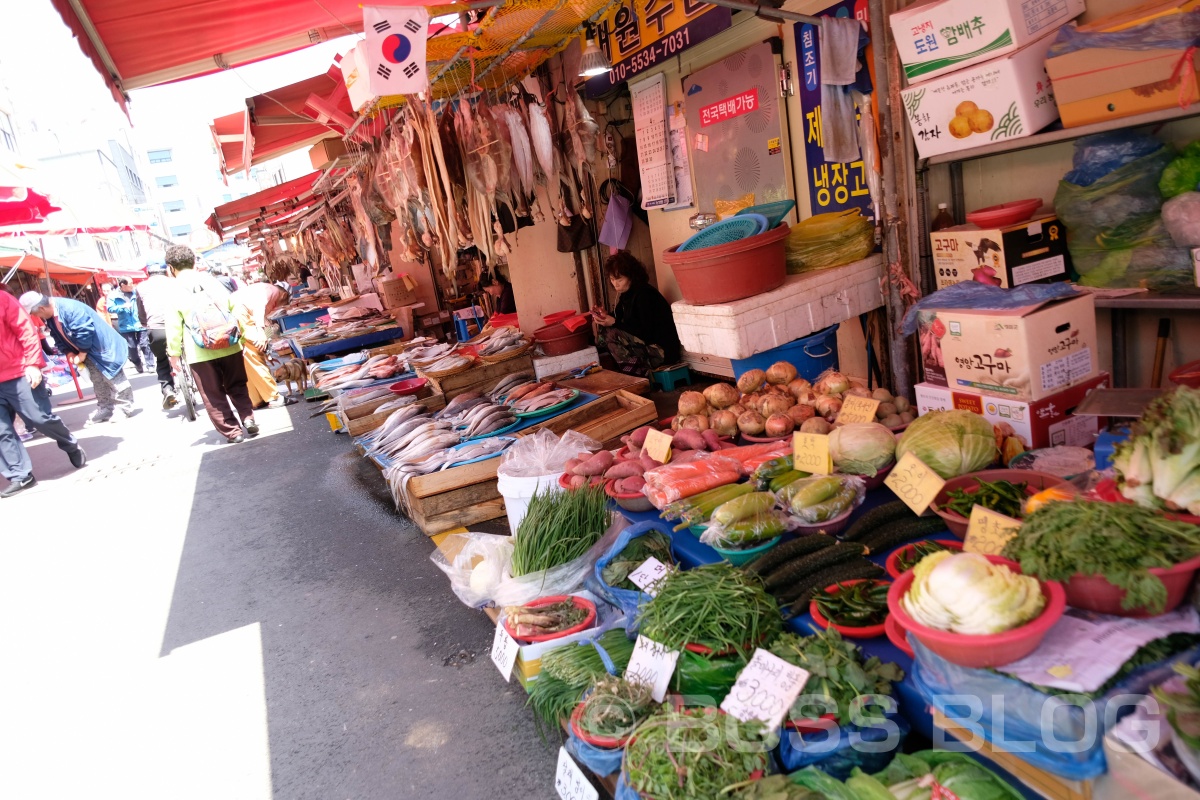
(653, 142)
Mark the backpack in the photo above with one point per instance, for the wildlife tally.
(212, 325)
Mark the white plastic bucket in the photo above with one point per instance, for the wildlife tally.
(518, 491)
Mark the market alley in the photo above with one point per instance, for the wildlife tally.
(189, 619)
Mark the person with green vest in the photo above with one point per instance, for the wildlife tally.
(203, 325)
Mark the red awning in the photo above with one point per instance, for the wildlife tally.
(135, 274)
(20, 205)
(269, 204)
(33, 265)
(283, 120)
(62, 223)
(137, 43)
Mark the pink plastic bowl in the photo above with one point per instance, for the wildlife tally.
(1095, 593)
(982, 652)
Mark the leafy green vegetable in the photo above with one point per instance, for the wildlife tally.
(654, 544)
(694, 753)
(951, 443)
(1183, 705)
(1003, 497)
(1117, 541)
(552, 702)
(858, 605)
(615, 707)
(837, 670)
(559, 527)
(862, 448)
(580, 665)
(966, 593)
(1160, 463)
(956, 772)
(716, 605)
(776, 787)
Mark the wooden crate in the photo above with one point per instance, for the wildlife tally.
(605, 418)
(1044, 783)
(457, 508)
(604, 381)
(480, 377)
(369, 421)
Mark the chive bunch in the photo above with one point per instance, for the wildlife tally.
(559, 527)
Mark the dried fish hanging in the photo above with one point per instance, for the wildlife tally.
(425, 126)
(392, 184)
(364, 229)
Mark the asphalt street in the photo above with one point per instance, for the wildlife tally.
(189, 619)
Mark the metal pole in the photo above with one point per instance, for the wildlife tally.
(45, 266)
(768, 13)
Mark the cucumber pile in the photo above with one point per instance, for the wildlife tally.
(793, 572)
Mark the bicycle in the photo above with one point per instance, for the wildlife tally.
(185, 388)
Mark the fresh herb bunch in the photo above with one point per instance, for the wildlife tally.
(858, 605)
(1183, 707)
(716, 605)
(580, 664)
(1118, 541)
(559, 527)
(693, 753)
(615, 707)
(837, 670)
(654, 543)
(1003, 497)
(909, 558)
(552, 702)
(776, 787)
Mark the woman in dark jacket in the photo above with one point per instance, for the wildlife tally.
(641, 337)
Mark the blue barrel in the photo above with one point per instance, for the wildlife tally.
(811, 355)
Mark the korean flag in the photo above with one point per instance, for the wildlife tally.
(396, 49)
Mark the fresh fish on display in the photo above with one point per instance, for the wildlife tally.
(457, 403)
(496, 418)
(482, 447)
(529, 389)
(452, 361)
(533, 402)
(508, 381)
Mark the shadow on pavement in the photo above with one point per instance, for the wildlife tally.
(377, 680)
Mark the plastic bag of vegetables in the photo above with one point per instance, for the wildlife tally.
(951, 443)
(637, 541)
(744, 522)
(815, 500)
(561, 579)
(476, 565)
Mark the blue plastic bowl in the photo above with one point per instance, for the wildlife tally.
(739, 557)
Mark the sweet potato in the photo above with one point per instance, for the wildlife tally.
(687, 439)
(626, 469)
(596, 465)
(638, 437)
(572, 463)
(577, 482)
(711, 440)
(647, 462)
(684, 456)
(629, 485)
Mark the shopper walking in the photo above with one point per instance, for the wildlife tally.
(156, 296)
(24, 396)
(127, 315)
(202, 324)
(84, 338)
(253, 305)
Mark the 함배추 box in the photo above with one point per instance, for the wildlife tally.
(1025, 353)
(1006, 98)
(1033, 251)
(940, 36)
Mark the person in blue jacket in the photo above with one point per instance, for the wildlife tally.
(125, 307)
(87, 340)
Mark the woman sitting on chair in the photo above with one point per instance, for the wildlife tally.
(641, 337)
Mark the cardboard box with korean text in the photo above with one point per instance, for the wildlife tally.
(1006, 98)
(1025, 353)
(1041, 423)
(1033, 251)
(936, 37)
(931, 397)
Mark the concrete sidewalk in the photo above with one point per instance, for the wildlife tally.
(185, 618)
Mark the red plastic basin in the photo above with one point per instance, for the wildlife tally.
(408, 386)
(892, 565)
(630, 502)
(580, 602)
(729, 272)
(989, 650)
(1004, 214)
(595, 740)
(556, 340)
(957, 523)
(558, 316)
(853, 632)
(1095, 593)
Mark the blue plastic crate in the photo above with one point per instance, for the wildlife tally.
(811, 355)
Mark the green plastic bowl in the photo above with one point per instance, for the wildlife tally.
(739, 557)
(697, 530)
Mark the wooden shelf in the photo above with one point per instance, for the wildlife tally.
(1064, 135)
(1153, 300)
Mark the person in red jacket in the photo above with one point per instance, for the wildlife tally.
(23, 394)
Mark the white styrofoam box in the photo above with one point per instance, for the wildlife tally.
(804, 304)
(708, 365)
(544, 366)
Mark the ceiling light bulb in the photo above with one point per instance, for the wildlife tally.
(593, 62)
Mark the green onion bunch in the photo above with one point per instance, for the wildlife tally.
(558, 527)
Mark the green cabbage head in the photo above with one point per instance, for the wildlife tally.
(951, 443)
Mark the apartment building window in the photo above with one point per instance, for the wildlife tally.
(160, 156)
(106, 250)
(180, 230)
(166, 181)
(6, 132)
(173, 205)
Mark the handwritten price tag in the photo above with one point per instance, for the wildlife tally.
(504, 650)
(810, 453)
(858, 409)
(988, 531)
(570, 781)
(658, 446)
(765, 690)
(648, 574)
(652, 664)
(914, 483)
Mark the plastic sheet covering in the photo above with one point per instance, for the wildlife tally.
(601, 761)
(1097, 155)
(1181, 215)
(851, 495)
(970, 294)
(1115, 230)
(1062, 734)
(1168, 32)
(544, 453)
(839, 749)
(746, 533)
(829, 240)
